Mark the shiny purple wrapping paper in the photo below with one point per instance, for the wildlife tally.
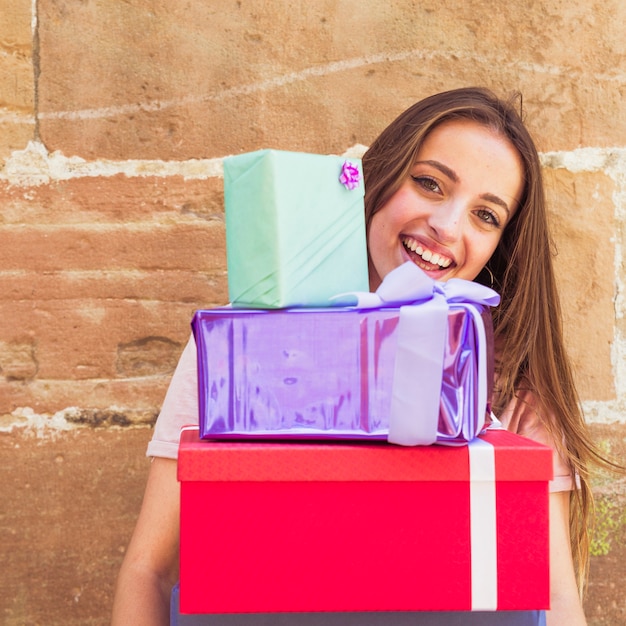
(326, 374)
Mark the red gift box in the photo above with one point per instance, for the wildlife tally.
(276, 527)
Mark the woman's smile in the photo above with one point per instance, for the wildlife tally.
(426, 258)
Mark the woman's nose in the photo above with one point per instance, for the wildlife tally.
(447, 221)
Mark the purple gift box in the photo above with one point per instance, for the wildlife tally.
(329, 373)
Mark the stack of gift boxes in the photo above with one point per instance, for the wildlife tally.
(318, 480)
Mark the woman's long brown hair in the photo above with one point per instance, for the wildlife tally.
(527, 323)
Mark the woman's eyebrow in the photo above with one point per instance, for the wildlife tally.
(496, 200)
(444, 169)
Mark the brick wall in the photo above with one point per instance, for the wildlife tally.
(114, 119)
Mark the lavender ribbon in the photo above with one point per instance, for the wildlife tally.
(422, 329)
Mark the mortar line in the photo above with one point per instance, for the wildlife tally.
(34, 165)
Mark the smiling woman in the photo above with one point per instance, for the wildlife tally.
(454, 185)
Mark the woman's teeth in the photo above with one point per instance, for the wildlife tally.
(427, 255)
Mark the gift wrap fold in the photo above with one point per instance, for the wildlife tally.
(411, 374)
(295, 228)
(365, 526)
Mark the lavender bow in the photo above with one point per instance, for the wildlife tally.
(422, 329)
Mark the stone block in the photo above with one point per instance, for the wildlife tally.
(17, 76)
(93, 339)
(113, 247)
(584, 264)
(68, 509)
(16, 27)
(104, 199)
(210, 80)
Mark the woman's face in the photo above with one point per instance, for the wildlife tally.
(449, 214)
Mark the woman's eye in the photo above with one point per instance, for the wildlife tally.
(488, 217)
(430, 184)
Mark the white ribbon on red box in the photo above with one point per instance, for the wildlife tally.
(483, 526)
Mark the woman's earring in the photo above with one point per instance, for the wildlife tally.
(482, 279)
(492, 280)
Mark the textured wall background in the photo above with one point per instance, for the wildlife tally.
(114, 119)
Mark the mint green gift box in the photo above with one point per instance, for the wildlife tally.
(295, 234)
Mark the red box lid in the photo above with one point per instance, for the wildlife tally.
(517, 459)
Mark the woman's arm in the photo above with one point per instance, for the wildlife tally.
(150, 567)
(566, 608)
